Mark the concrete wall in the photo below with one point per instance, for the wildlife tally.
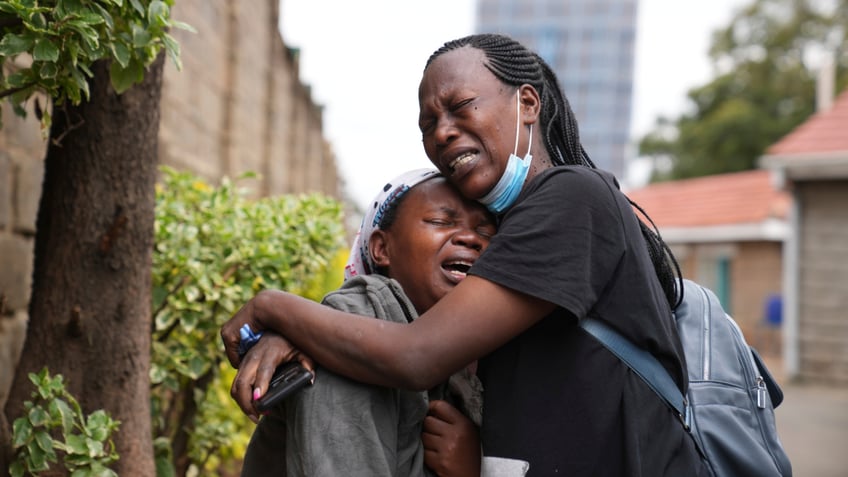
(755, 272)
(238, 105)
(21, 172)
(823, 294)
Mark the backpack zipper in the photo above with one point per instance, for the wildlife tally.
(705, 322)
(761, 392)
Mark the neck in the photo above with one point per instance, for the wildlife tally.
(540, 163)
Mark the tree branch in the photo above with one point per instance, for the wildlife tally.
(179, 443)
(12, 91)
(8, 22)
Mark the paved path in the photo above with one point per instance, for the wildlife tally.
(813, 425)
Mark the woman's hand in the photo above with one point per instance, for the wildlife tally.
(257, 368)
(230, 331)
(451, 442)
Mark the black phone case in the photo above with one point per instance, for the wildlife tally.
(288, 378)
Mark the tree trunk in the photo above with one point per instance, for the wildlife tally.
(5, 446)
(90, 305)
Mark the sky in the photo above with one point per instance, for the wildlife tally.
(363, 61)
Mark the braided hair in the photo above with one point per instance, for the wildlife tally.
(515, 65)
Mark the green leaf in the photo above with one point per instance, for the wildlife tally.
(21, 432)
(17, 80)
(80, 81)
(197, 365)
(99, 425)
(192, 293)
(38, 416)
(85, 69)
(157, 12)
(45, 50)
(159, 294)
(91, 18)
(89, 36)
(12, 44)
(61, 412)
(183, 26)
(73, 50)
(17, 469)
(140, 36)
(138, 7)
(37, 22)
(69, 8)
(76, 444)
(121, 53)
(123, 78)
(173, 49)
(164, 467)
(107, 17)
(56, 384)
(48, 70)
(37, 456)
(95, 448)
(42, 438)
(72, 90)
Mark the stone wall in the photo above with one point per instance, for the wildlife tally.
(823, 279)
(21, 171)
(236, 106)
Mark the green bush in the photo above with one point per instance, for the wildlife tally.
(215, 249)
(55, 429)
(61, 40)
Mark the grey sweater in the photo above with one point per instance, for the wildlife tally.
(342, 427)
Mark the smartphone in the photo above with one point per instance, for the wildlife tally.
(288, 378)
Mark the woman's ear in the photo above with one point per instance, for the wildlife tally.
(531, 105)
(378, 246)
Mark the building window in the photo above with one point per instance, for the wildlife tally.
(713, 271)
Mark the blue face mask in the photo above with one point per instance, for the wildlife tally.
(503, 195)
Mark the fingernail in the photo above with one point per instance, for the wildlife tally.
(257, 393)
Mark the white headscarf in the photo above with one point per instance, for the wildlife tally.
(360, 261)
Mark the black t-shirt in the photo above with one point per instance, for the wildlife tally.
(554, 396)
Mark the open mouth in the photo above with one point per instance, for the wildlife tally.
(457, 268)
(461, 161)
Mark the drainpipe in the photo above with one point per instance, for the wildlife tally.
(791, 287)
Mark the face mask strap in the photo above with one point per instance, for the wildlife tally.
(517, 120)
(517, 126)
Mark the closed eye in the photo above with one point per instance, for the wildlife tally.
(461, 104)
(487, 231)
(439, 222)
(426, 126)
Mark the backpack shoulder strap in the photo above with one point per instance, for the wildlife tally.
(643, 364)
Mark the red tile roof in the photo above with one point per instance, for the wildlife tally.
(824, 132)
(724, 199)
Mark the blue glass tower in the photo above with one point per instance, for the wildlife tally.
(590, 44)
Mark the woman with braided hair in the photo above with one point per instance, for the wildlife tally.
(569, 246)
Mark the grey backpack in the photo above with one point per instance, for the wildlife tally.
(729, 407)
